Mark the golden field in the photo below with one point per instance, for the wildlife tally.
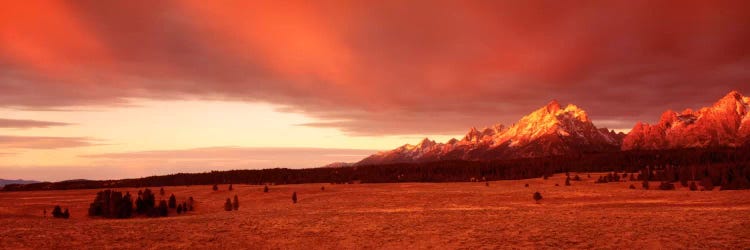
(395, 216)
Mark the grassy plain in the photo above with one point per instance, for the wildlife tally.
(396, 216)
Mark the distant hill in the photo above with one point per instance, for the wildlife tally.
(4, 182)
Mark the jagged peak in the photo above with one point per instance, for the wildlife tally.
(733, 95)
(668, 117)
(552, 107)
(731, 98)
(426, 142)
(577, 112)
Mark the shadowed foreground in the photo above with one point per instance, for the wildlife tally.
(413, 215)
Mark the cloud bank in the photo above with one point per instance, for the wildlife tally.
(380, 67)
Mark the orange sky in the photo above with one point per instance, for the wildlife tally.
(84, 81)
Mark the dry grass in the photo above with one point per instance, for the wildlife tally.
(406, 215)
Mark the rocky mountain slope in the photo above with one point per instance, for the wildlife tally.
(725, 124)
(550, 130)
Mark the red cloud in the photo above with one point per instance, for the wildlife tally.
(44, 142)
(13, 123)
(380, 67)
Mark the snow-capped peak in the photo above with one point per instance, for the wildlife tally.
(549, 130)
(725, 123)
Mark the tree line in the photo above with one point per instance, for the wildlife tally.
(725, 167)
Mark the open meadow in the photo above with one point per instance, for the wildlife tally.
(395, 216)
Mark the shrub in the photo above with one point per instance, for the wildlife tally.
(537, 196)
(666, 186)
(230, 187)
(567, 181)
(236, 203)
(179, 209)
(602, 179)
(577, 178)
(265, 189)
(683, 181)
(322, 188)
(161, 191)
(191, 204)
(645, 184)
(57, 212)
(228, 205)
(632, 186)
(487, 184)
(693, 187)
(66, 214)
(172, 201)
(294, 197)
(527, 185)
(215, 187)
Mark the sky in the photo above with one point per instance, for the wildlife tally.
(119, 89)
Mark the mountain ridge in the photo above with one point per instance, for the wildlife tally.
(726, 123)
(549, 130)
(557, 130)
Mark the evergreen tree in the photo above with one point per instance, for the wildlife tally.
(172, 201)
(215, 187)
(230, 187)
(161, 191)
(66, 214)
(707, 183)
(139, 205)
(567, 181)
(228, 205)
(163, 209)
(265, 189)
(126, 207)
(537, 196)
(294, 197)
(179, 209)
(148, 201)
(236, 203)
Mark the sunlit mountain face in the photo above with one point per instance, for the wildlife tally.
(555, 131)
(119, 89)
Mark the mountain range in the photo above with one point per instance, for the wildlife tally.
(4, 182)
(554, 130)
